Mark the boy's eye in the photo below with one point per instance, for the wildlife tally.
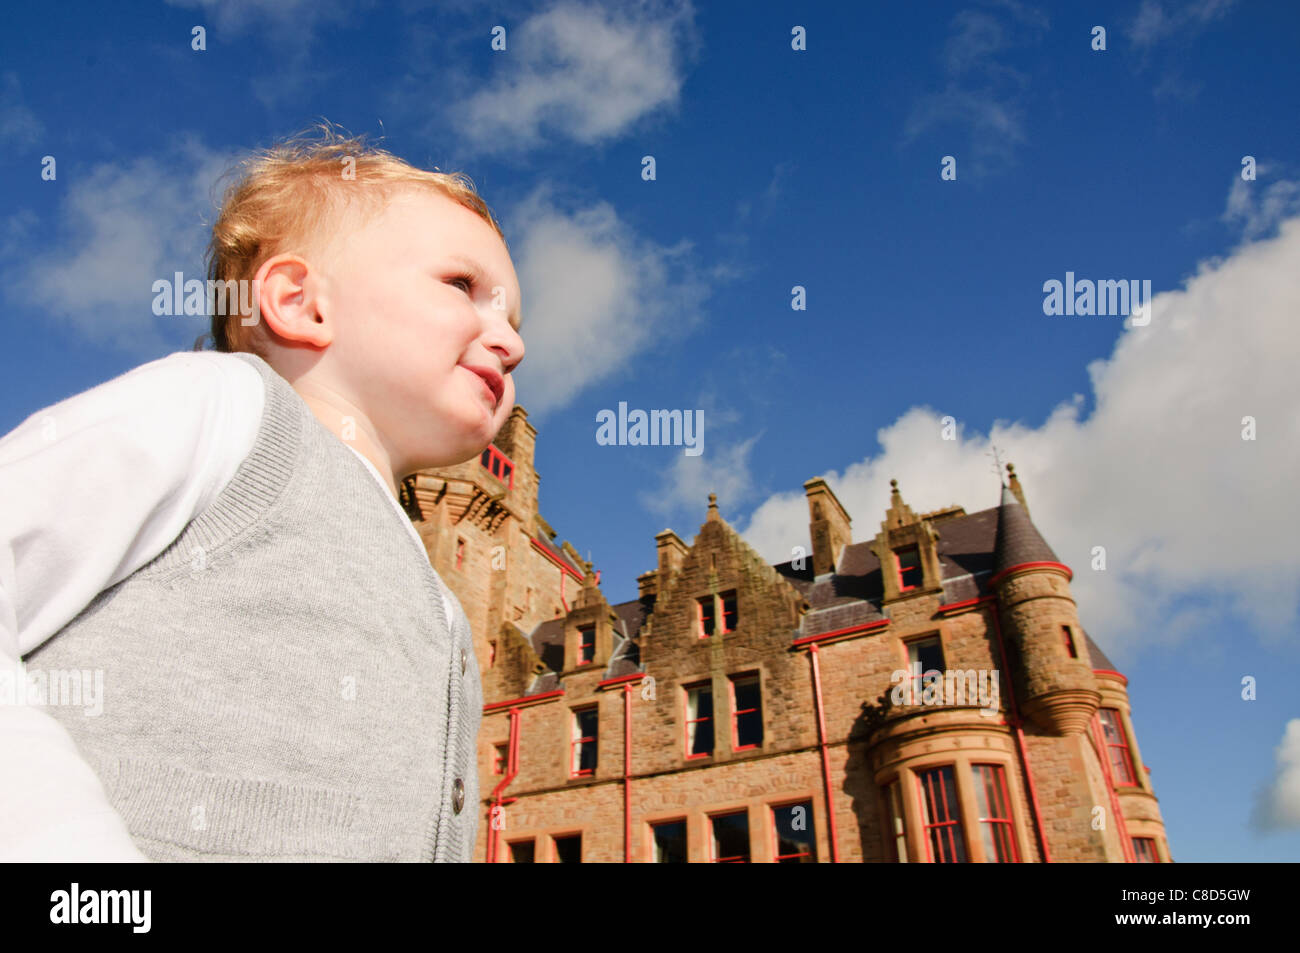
(467, 280)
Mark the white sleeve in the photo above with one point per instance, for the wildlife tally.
(91, 489)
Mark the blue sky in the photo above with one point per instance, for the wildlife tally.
(777, 168)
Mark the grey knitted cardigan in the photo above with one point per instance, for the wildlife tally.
(280, 683)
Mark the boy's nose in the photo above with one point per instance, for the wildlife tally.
(508, 346)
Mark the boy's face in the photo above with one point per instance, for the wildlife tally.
(409, 326)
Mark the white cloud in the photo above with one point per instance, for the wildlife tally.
(1191, 515)
(19, 127)
(124, 226)
(1187, 17)
(595, 295)
(1256, 208)
(982, 97)
(723, 468)
(1278, 806)
(237, 15)
(579, 72)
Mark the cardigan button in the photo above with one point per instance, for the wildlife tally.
(463, 657)
(457, 795)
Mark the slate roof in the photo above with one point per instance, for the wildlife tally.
(1018, 540)
(852, 594)
(972, 548)
(548, 642)
(1099, 658)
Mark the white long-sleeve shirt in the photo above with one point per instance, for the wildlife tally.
(91, 489)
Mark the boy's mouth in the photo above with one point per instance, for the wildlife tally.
(494, 381)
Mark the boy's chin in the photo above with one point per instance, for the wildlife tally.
(462, 451)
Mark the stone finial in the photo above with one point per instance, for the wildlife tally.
(899, 513)
(1013, 485)
(713, 506)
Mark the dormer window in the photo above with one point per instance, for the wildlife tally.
(586, 644)
(909, 568)
(499, 465)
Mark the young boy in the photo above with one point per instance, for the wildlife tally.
(214, 541)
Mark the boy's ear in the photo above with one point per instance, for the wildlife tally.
(287, 300)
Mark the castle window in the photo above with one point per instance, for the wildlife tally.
(706, 617)
(923, 655)
(492, 652)
(909, 568)
(1144, 850)
(730, 838)
(521, 852)
(699, 720)
(792, 827)
(500, 754)
(1121, 762)
(1068, 637)
(945, 842)
(898, 826)
(568, 849)
(584, 743)
(670, 841)
(996, 830)
(729, 611)
(460, 551)
(747, 712)
(499, 465)
(586, 644)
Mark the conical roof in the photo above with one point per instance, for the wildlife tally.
(1018, 540)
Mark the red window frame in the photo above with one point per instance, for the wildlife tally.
(713, 839)
(654, 840)
(492, 652)
(460, 551)
(687, 720)
(499, 465)
(531, 842)
(575, 756)
(706, 616)
(991, 781)
(555, 846)
(728, 611)
(919, 576)
(1144, 850)
(897, 820)
(735, 714)
(918, 681)
(1121, 759)
(500, 754)
(811, 852)
(585, 632)
(943, 832)
(1068, 636)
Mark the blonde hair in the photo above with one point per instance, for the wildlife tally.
(297, 189)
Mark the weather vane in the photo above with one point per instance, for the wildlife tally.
(996, 454)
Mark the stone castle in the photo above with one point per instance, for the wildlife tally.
(924, 695)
